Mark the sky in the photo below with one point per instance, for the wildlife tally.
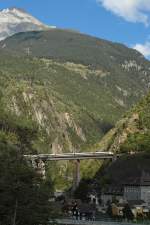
(124, 21)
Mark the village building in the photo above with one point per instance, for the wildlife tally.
(138, 189)
(135, 189)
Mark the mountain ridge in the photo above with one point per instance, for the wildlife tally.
(71, 43)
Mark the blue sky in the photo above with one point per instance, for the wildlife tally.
(125, 21)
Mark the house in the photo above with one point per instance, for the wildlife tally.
(138, 189)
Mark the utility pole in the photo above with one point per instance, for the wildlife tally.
(15, 212)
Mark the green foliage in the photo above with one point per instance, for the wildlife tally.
(17, 131)
(24, 197)
(137, 142)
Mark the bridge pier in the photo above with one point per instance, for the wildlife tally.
(39, 166)
(76, 174)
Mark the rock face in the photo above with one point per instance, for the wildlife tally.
(131, 133)
(15, 20)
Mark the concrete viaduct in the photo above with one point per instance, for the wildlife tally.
(38, 161)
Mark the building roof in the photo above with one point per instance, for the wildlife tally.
(142, 180)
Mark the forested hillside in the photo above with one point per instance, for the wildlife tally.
(73, 88)
(24, 194)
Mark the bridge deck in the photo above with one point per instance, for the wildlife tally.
(72, 156)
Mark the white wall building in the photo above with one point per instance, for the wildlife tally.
(138, 189)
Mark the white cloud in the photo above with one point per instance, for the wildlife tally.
(130, 10)
(143, 48)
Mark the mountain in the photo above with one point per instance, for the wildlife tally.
(15, 20)
(132, 132)
(73, 86)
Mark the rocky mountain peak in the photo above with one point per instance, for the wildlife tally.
(14, 20)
